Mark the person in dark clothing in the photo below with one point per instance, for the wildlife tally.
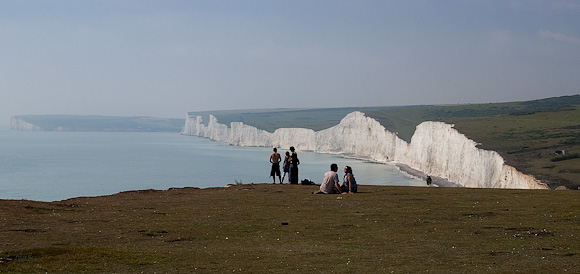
(286, 166)
(294, 162)
(349, 184)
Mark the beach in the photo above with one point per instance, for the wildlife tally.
(436, 181)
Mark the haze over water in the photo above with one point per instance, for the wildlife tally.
(51, 166)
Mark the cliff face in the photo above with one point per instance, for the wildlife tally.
(20, 124)
(436, 148)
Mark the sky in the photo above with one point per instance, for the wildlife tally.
(165, 58)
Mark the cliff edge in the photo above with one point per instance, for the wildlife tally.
(436, 148)
(20, 124)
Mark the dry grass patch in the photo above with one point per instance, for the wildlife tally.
(283, 228)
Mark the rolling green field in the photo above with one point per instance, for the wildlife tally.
(530, 142)
(527, 134)
(270, 120)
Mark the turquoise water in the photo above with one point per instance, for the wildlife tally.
(51, 166)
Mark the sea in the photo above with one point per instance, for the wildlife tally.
(53, 166)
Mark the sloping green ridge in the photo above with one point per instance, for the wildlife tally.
(402, 120)
(270, 120)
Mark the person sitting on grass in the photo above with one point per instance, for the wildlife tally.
(348, 183)
(330, 182)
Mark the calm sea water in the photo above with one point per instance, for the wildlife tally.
(51, 166)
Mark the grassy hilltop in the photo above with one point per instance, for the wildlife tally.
(283, 228)
(527, 134)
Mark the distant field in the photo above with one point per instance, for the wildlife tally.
(530, 142)
(527, 134)
(270, 120)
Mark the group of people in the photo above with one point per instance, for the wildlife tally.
(289, 165)
(330, 183)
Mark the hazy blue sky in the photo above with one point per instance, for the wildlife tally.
(164, 58)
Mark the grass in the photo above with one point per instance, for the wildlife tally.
(565, 157)
(529, 142)
(270, 120)
(283, 228)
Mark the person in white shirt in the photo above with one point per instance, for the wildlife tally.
(330, 182)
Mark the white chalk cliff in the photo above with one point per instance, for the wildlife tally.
(436, 148)
(20, 124)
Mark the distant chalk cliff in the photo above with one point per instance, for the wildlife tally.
(94, 123)
(21, 124)
(436, 148)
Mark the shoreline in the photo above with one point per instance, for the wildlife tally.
(437, 181)
(407, 170)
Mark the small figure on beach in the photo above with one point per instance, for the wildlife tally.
(275, 160)
(429, 180)
(349, 182)
(294, 162)
(329, 182)
(286, 166)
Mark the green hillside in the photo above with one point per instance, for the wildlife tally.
(529, 135)
(315, 119)
(404, 120)
(270, 120)
(530, 142)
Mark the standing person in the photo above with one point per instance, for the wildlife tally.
(275, 160)
(286, 166)
(294, 162)
(348, 183)
(429, 180)
(330, 182)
